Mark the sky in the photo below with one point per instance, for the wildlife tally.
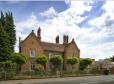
(89, 22)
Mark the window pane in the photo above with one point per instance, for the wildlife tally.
(49, 55)
(32, 66)
(32, 53)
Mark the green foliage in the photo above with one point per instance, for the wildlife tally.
(56, 61)
(106, 72)
(39, 70)
(42, 59)
(84, 62)
(7, 36)
(10, 29)
(7, 70)
(5, 51)
(112, 58)
(72, 60)
(19, 59)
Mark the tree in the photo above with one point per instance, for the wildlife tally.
(56, 61)
(2, 19)
(84, 62)
(112, 58)
(5, 51)
(7, 36)
(19, 59)
(9, 27)
(42, 59)
(72, 61)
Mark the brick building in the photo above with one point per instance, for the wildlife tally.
(32, 46)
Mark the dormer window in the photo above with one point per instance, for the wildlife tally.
(32, 53)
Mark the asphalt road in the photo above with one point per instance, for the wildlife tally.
(69, 80)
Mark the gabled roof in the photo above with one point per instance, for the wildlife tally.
(53, 47)
(32, 33)
(74, 43)
(50, 46)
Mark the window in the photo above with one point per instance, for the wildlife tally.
(32, 53)
(49, 55)
(32, 66)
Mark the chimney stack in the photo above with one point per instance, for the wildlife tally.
(39, 33)
(57, 39)
(65, 39)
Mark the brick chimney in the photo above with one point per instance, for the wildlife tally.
(57, 39)
(67, 38)
(39, 33)
(64, 39)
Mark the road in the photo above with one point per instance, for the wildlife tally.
(69, 80)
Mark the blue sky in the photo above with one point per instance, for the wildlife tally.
(89, 22)
(22, 9)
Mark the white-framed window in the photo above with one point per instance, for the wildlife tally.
(32, 66)
(32, 53)
(49, 55)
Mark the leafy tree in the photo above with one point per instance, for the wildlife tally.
(56, 61)
(72, 61)
(112, 58)
(10, 29)
(84, 62)
(19, 59)
(7, 36)
(42, 59)
(2, 19)
(5, 51)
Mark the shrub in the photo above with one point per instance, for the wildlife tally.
(19, 59)
(84, 62)
(72, 61)
(7, 70)
(56, 61)
(42, 59)
(39, 70)
(106, 72)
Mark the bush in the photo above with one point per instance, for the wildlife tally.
(19, 59)
(42, 59)
(39, 70)
(56, 61)
(106, 72)
(72, 61)
(7, 70)
(84, 62)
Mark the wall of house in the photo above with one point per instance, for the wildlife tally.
(71, 50)
(52, 53)
(26, 46)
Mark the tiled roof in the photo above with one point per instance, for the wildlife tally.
(53, 47)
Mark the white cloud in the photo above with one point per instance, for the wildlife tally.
(27, 24)
(100, 51)
(23, 27)
(49, 13)
(66, 23)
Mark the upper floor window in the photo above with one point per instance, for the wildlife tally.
(32, 53)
